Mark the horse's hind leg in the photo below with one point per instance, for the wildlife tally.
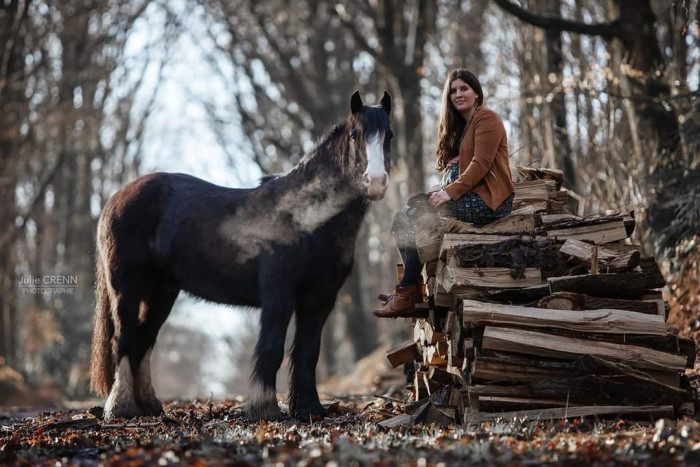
(121, 402)
(154, 312)
(313, 309)
(277, 308)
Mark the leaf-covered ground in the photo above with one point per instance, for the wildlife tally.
(217, 433)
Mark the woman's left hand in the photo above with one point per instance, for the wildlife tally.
(438, 198)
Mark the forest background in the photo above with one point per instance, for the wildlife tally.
(94, 93)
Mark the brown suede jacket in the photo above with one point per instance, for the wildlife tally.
(483, 161)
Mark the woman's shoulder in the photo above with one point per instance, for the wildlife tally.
(486, 113)
(487, 117)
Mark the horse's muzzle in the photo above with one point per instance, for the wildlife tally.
(375, 186)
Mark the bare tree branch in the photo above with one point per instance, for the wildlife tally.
(608, 29)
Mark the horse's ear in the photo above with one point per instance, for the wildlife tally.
(386, 102)
(355, 103)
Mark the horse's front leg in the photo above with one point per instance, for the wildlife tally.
(312, 311)
(277, 308)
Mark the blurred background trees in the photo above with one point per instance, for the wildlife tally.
(95, 92)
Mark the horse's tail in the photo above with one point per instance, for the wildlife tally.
(102, 364)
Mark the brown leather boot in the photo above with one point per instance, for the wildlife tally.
(401, 303)
(384, 297)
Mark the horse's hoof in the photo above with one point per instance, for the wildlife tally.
(151, 407)
(268, 411)
(306, 412)
(123, 409)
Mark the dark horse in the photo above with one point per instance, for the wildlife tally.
(286, 246)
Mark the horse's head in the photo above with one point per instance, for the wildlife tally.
(370, 141)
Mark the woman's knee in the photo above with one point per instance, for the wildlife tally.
(403, 228)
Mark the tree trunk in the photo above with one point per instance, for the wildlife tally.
(76, 227)
(557, 106)
(637, 31)
(412, 133)
(635, 27)
(13, 109)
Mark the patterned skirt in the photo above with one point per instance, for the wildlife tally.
(469, 208)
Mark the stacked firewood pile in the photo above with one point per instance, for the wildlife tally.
(542, 314)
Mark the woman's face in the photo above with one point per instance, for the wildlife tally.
(462, 96)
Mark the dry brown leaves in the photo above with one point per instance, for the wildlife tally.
(206, 433)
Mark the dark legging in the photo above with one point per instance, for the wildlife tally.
(411, 266)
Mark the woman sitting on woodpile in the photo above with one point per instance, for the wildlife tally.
(472, 153)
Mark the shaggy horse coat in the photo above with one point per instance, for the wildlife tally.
(286, 246)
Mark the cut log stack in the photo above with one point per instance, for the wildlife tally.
(543, 314)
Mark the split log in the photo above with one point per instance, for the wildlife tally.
(654, 412)
(442, 348)
(668, 343)
(486, 278)
(424, 332)
(608, 260)
(453, 327)
(574, 301)
(619, 248)
(440, 375)
(499, 403)
(529, 207)
(537, 173)
(547, 219)
(585, 390)
(626, 285)
(548, 345)
(575, 203)
(515, 254)
(431, 229)
(598, 321)
(515, 296)
(535, 190)
(509, 367)
(462, 378)
(665, 380)
(423, 386)
(453, 357)
(453, 240)
(574, 222)
(596, 233)
(468, 347)
(431, 356)
(402, 354)
(502, 366)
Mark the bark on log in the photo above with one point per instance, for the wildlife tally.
(626, 285)
(574, 301)
(595, 321)
(549, 345)
(588, 389)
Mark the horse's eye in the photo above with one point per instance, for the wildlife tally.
(353, 135)
(390, 136)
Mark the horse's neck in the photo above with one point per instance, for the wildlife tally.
(328, 171)
(318, 191)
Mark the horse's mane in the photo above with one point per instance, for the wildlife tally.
(324, 154)
(267, 178)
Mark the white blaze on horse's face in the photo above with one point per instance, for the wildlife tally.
(375, 179)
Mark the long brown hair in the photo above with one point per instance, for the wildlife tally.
(451, 121)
